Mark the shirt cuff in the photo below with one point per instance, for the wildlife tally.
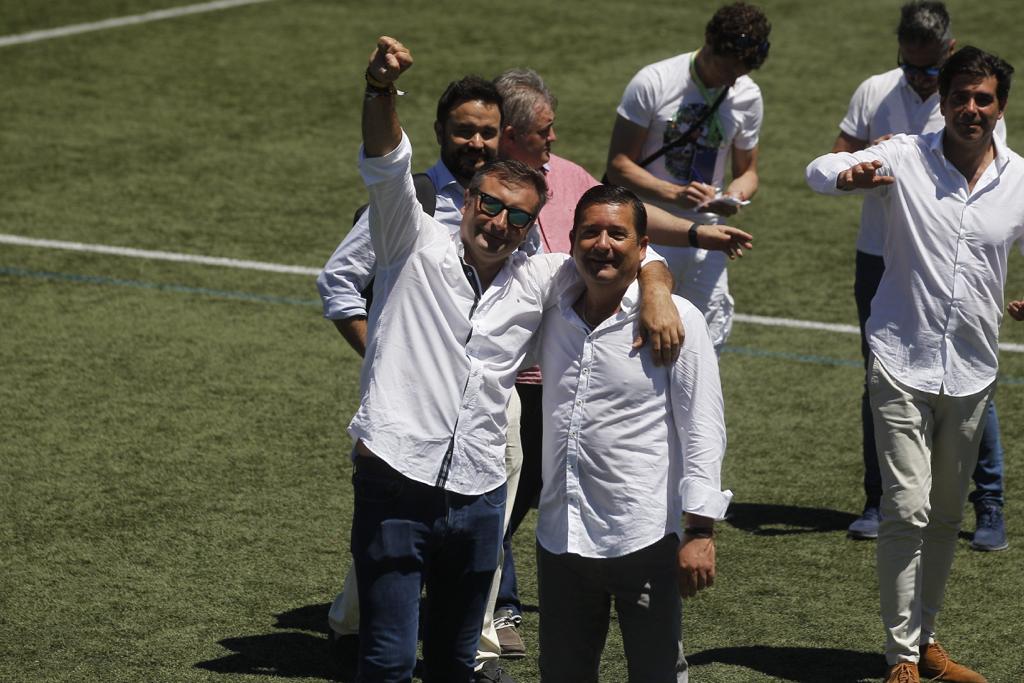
(701, 499)
(341, 307)
(378, 169)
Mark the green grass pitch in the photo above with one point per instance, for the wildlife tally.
(174, 481)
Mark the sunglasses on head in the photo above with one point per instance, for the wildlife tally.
(920, 71)
(750, 50)
(492, 206)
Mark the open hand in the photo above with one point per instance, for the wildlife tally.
(696, 565)
(863, 176)
(724, 238)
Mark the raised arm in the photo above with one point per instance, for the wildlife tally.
(381, 131)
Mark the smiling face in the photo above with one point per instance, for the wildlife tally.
(606, 247)
(489, 240)
(469, 138)
(971, 109)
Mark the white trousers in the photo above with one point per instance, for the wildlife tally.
(927, 450)
(703, 280)
(343, 616)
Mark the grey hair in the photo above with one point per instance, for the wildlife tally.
(522, 92)
(924, 22)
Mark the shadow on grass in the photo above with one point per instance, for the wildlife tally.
(785, 520)
(798, 664)
(303, 651)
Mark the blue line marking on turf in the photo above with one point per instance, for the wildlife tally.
(266, 298)
(139, 284)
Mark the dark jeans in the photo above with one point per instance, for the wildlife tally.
(988, 475)
(407, 535)
(530, 432)
(575, 601)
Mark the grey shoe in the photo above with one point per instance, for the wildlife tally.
(990, 532)
(491, 672)
(506, 624)
(865, 527)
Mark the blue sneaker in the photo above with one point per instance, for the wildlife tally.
(865, 527)
(990, 532)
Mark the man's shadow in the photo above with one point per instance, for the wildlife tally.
(784, 520)
(798, 664)
(303, 650)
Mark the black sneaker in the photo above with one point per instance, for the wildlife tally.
(506, 624)
(491, 672)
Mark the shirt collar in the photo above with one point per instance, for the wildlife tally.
(1002, 157)
(628, 309)
(442, 177)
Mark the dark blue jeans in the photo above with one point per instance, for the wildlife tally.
(407, 535)
(988, 475)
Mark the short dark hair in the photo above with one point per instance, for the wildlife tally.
(615, 195)
(466, 89)
(512, 172)
(923, 23)
(739, 30)
(522, 92)
(970, 61)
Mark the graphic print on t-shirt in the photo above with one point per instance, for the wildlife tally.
(694, 161)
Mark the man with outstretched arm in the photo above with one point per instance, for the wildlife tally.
(446, 334)
(952, 199)
(906, 100)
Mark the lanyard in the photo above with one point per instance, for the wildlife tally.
(715, 135)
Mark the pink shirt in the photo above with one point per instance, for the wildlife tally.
(566, 184)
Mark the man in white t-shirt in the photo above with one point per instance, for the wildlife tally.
(662, 102)
(906, 100)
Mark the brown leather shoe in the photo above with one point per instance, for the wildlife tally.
(904, 672)
(936, 665)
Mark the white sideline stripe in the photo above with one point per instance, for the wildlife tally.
(830, 327)
(302, 270)
(116, 22)
(158, 255)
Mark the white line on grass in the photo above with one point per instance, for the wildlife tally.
(302, 270)
(117, 22)
(158, 255)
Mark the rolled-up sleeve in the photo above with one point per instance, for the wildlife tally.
(699, 414)
(347, 273)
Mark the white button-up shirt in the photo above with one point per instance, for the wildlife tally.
(352, 265)
(886, 104)
(628, 446)
(441, 361)
(934, 321)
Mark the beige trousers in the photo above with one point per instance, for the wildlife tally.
(927, 450)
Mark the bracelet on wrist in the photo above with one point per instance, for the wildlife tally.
(692, 235)
(376, 83)
(699, 532)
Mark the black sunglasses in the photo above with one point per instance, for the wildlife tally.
(492, 206)
(751, 51)
(921, 71)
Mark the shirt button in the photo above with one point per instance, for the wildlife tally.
(579, 403)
